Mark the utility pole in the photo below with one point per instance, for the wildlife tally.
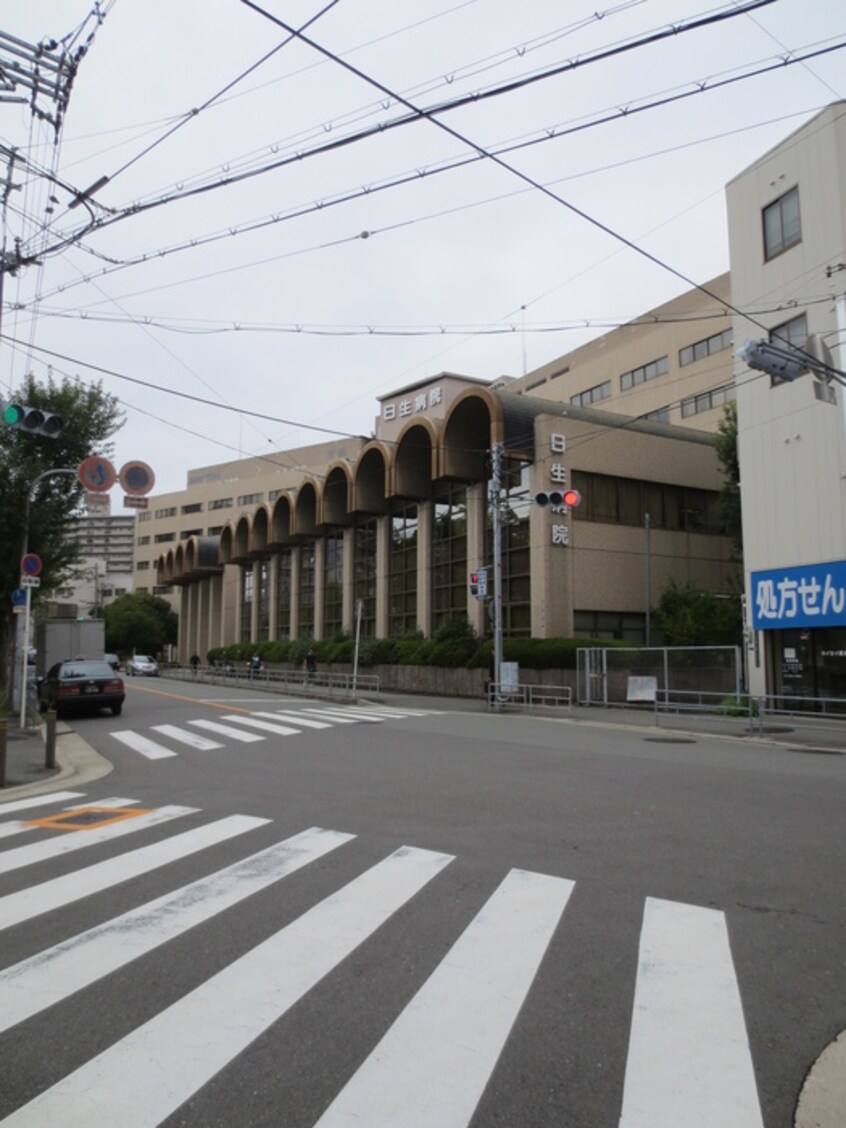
(496, 606)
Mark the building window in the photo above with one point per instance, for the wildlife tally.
(402, 595)
(186, 533)
(646, 372)
(144, 540)
(660, 415)
(629, 626)
(449, 556)
(707, 401)
(592, 395)
(364, 574)
(247, 587)
(333, 587)
(719, 342)
(142, 565)
(251, 499)
(283, 595)
(162, 589)
(307, 587)
(164, 538)
(221, 503)
(144, 515)
(626, 501)
(782, 227)
(264, 601)
(169, 512)
(194, 507)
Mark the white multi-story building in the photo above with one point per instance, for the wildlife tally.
(787, 232)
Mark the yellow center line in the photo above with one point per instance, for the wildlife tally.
(184, 697)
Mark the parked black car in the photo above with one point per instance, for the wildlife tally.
(80, 684)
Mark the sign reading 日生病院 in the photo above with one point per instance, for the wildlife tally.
(813, 595)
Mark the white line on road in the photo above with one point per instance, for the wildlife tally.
(265, 726)
(147, 1075)
(689, 1061)
(53, 894)
(201, 743)
(228, 730)
(296, 719)
(50, 976)
(431, 1068)
(143, 744)
(65, 842)
(39, 801)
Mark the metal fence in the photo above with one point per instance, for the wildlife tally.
(502, 696)
(621, 675)
(281, 680)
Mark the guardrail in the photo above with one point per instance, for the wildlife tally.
(281, 681)
(821, 719)
(524, 696)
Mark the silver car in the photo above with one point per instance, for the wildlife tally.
(142, 665)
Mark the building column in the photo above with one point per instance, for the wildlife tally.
(425, 521)
(383, 564)
(255, 567)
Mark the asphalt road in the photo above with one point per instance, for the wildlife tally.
(501, 921)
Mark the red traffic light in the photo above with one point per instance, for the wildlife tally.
(556, 499)
(571, 498)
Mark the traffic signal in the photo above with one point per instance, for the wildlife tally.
(556, 498)
(779, 360)
(479, 584)
(30, 419)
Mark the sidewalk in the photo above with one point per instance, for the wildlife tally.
(26, 773)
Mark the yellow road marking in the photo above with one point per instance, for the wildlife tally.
(184, 697)
(70, 820)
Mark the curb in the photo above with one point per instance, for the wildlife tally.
(822, 1101)
(76, 759)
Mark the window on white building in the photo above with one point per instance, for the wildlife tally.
(782, 226)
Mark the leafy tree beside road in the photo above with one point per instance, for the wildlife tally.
(139, 622)
(90, 418)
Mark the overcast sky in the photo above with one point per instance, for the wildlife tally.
(394, 256)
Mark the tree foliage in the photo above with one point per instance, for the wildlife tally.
(689, 616)
(90, 418)
(729, 461)
(139, 622)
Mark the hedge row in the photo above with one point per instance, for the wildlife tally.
(414, 650)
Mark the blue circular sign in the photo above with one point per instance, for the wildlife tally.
(31, 564)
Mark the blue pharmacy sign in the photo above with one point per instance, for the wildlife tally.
(811, 596)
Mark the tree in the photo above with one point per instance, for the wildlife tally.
(689, 616)
(139, 622)
(90, 418)
(729, 461)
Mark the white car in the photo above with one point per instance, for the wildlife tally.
(143, 665)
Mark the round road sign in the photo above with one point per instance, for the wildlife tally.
(97, 474)
(137, 478)
(31, 564)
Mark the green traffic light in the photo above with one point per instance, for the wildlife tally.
(12, 414)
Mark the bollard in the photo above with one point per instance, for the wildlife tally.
(3, 727)
(50, 740)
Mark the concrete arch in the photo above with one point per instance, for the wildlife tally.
(337, 495)
(468, 434)
(415, 461)
(370, 480)
(260, 530)
(305, 511)
(280, 522)
(234, 542)
(165, 568)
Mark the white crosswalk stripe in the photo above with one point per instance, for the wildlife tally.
(253, 727)
(689, 1061)
(228, 730)
(201, 743)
